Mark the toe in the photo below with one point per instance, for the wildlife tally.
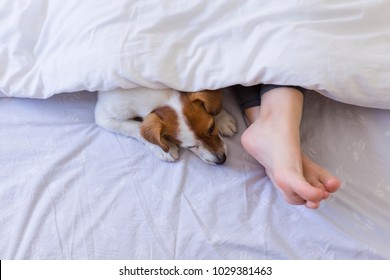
(312, 205)
(317, 184)
(296, 188)
(294, 199)
(310, 193)
(305, 190)
(331, 183)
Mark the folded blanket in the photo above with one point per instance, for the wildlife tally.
(339, 48)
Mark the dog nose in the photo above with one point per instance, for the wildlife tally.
(221, 159)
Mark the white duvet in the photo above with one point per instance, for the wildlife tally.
(339, 48)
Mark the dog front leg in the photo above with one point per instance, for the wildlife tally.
(132, 128)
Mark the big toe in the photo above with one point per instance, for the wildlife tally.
(294, 186)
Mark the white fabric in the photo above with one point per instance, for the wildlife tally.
(71, 190)
(337, 47)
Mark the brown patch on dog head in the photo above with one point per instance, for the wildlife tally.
(199, 109)
(160, 127)
(210, 99)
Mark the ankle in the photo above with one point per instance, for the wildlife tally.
(252, 114)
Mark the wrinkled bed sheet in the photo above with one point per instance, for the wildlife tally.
(71, 190)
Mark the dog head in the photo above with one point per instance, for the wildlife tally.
(191, 125)
(200, 109)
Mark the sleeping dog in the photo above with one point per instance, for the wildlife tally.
(166, 119)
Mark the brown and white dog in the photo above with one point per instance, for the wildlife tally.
(166, 119)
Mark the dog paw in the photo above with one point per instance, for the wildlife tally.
(226, 124)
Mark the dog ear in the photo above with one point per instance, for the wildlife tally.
(211, 100)
(152, 129)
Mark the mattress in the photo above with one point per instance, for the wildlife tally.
(71, 190)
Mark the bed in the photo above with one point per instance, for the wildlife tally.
(71, 190)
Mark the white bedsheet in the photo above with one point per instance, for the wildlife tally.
(71, 190)
(338, 47)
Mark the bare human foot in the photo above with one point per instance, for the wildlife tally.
(273, 140)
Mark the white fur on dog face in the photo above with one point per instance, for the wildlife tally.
(186, 136)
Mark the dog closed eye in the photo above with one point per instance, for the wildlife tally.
(191, 147)
(212, 128)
